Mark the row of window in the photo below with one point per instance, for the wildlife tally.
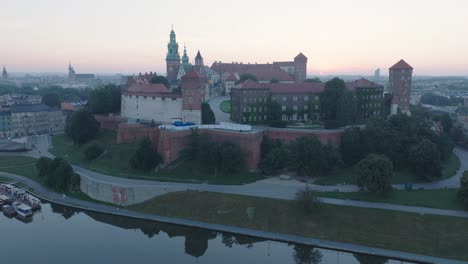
(371, 97)
(295, 98)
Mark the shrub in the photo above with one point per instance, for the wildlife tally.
(145, 158)
(277, 123)
(93, 151)
(307, 200)
(375, 173)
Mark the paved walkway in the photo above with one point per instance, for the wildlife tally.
(54, 197)
(215, 104)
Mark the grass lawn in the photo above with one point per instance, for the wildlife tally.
(116, 163)
(441, 199)
(225, 106)
(423, 234)
(24, 166)
(349, 175)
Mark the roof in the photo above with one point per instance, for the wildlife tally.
(198, 55)
(297, 87)
(251, 84)
(20, 108)
(270, 74)
(232, 77)
(141, 85)
(300, 56)
(401, 65)
(193, 74)
(362, 83)
(209, 71)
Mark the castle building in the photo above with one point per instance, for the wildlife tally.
(146, 101)
(4, 74)
(400, 87)
(298, 101)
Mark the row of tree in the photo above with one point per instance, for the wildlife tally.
(409, 142)
(440, 100)
(212, 157)
(58, 174)
(305, 156)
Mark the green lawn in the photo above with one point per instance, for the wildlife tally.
(441, 199)
(116, 163)
(349, 175)
(226, 106)
(24, 166)
(422, 234)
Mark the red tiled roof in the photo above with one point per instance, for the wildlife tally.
(141, 85)
(193, 74)
(401, 65)
(232, 77)
(300, 56)
(362, 83)
(251, 84)
(270, 74)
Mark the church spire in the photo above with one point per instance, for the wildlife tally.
(4, 74)
(185, 58)
(173, 48)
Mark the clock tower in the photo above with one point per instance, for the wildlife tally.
(172, 58)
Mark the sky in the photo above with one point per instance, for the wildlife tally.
(337, 36)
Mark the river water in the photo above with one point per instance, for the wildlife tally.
(64, 235)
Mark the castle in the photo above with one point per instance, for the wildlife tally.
(192, 84)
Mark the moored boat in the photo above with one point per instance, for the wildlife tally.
(8, 210)
(5, 200)
(22, 210)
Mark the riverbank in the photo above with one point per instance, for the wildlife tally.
(53, 197)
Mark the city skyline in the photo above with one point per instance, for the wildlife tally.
(124, 37)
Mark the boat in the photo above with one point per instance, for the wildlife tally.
(8, 210)
(5, 200)
(22, 210)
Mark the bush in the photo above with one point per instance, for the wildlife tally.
(332, 124)
(463, 191)
(307, 200)
(375, 173)
(145, 158)
(58, 174)
(93, 151)
(277, 123)
(42, 165)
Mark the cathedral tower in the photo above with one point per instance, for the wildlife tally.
(71, 72)
(172, 58)
(300, 68)
(4, 74)
(185, 58)
(193, 95)
(199, 65)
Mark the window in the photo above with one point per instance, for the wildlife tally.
(306, 107)
(283, 108)
(294, 108)
(190, 99)
(316, 98)
(316, 107)
(284, 99)
(295, 98)
(306, 98)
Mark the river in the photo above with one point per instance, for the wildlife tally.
(60, 234)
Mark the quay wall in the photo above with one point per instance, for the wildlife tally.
(123, 195)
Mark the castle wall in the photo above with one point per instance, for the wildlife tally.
(159, 109)
(109, 123)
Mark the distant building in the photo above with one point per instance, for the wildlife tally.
(72, 106)
(4, 74)
(400, 87)
(36, 119)
(283, 72)
(462, 119)
(73, 76)
(298, 101)
(377, 75)
(5, 124)
(466, 101)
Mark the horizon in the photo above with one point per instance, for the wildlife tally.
(112, 37)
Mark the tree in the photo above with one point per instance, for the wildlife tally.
(81, 127)
(51, 99)
(375, 173)
(307, 200)
(161, 79)
(58, 174)
(42, 165)
(208, 117)
(274, 111)
(231, 157)
(352, 147)
(247, 76)
(425, 160)
(307, 255)
(93, 151)
(307, 155)
(346, 109)
(313, 80)
(445, 146)
(275, 161)
(105, 99)
(274, 80)
(463, 191)
(334, 89)
(145, 158)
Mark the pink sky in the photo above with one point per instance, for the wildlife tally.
(338, 37)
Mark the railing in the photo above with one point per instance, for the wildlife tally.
(222, 126)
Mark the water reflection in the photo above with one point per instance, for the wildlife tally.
(117, 242)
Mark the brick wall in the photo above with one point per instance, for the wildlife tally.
(132, 132)
(288, 135)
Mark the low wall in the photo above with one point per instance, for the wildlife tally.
(128, 133)
(124, 196)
